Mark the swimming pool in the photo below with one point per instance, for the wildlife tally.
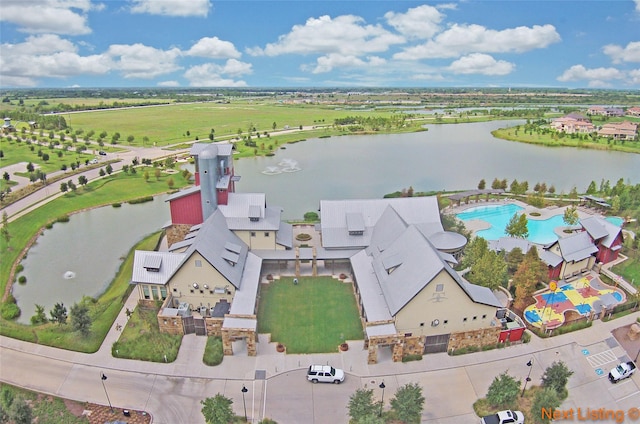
(498, 216)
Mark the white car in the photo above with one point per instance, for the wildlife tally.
(324, 374)
(93, 161)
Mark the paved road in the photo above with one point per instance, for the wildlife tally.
(172, 392)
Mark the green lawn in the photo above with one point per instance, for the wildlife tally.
(314, 316)
(629, 270)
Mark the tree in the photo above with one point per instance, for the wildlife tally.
(82, 180)
(361, 405)
(30, 167)
(592, 188)
(545, 400)
(63, 187)
(503, 391)
(495, 184)
(146, 176)
(482, 184)
(556, 377)
(217, 410)
(517, 226)
(6, 235)
(80, 319)
(477, 247)
(157, 173)
(514, 259)
(109, 169)
(531, 271)
(6, 176)
(39, 317)
(170, 182)
(490, 270)
(71, 185)
(408, 403)
(59, 313)
(570, 216)
(274, 125)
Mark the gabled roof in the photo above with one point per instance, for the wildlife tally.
(335, 225)
(145, 264)
(601, 230)
(223, 148)
(248, 211)
(576, 247)
(183, 193)
(509, 243)
(212, 241)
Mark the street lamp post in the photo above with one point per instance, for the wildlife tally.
(382, 386)
(244, 390)
(102, 379)
(528, 379)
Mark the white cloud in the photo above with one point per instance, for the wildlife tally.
(418, 22)
(463, 39)
(140, 61)
(630, 53)
(213, 48)
(215, 75)
(46, 56)
(169, 84)
(179, 8)
(478, 63)
(67, 17)
(597, 77)
(637, 5)
(634, 77)
(346, 35)
(329, 62)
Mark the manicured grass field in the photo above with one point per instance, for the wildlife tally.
(169, 124)
(141, 339)
(15, 152)
(314, 316)
(629, 269)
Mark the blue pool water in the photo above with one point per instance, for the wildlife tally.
(498, 216)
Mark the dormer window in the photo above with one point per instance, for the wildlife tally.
(152, 263)
(391, 263)
(355, 224)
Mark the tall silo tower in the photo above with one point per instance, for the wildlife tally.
(208, 167)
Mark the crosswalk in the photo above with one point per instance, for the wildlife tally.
(598, 359)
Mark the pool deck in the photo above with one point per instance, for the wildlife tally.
(475, 225)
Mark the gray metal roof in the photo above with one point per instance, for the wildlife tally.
(167, 263)
(463, 195)
(244, 301)
(600, 229)
(240, 323)
(447, 240)
(284, 236)
(371, 295)
(577, 247)
(224, 148)
(210, 242)
(242, 209)
(381, 330)
(181, 245)
(183, 193)
(334, 225)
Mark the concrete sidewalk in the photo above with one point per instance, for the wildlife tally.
(354, 361)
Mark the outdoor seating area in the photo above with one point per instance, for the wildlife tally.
(588, 296)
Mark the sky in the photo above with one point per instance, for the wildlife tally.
(307, 43)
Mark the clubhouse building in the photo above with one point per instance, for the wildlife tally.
(223, 245)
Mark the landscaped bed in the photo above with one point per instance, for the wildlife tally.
(314, 316)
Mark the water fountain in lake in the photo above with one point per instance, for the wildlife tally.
(285, 165)
(69, 275)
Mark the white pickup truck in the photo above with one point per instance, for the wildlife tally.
(504, 417)
(622, 371)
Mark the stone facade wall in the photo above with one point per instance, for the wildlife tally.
(170, 324)
(177, 233)
(396, 340)
(479, 338)
(214, 326)
(231, 334)
(413, 345)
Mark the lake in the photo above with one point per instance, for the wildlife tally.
(446, 157)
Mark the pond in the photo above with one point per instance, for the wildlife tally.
(446, 157)
(82, 256)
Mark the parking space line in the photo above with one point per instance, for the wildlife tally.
(598, 359)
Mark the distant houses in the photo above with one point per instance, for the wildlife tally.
(575, 123)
